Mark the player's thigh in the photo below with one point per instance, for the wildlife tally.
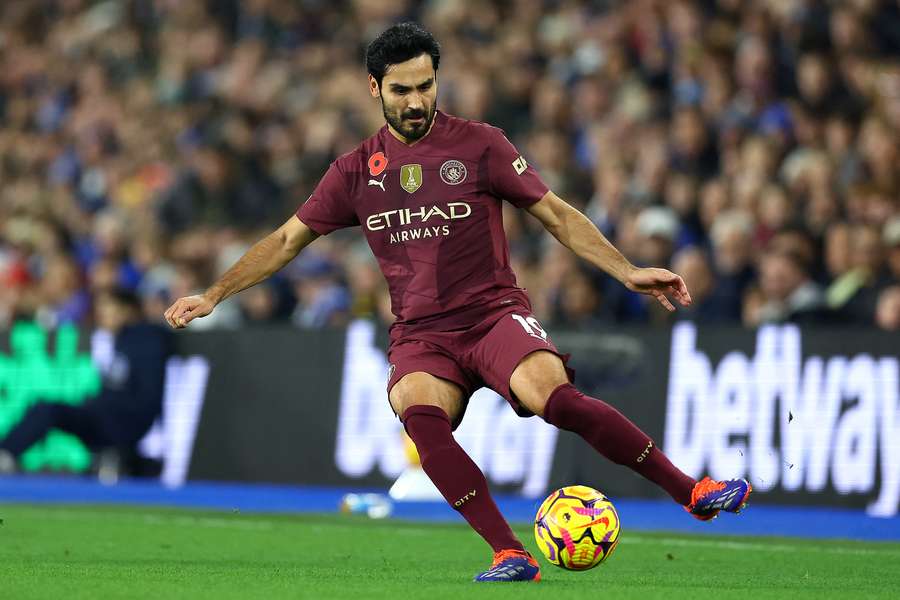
(535, 378)
(420, 388)
(519, 361)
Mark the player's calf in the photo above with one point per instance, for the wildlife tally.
(614, 436)
(456, 475)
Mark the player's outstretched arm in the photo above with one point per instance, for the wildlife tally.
(259, 262)
(576, 232)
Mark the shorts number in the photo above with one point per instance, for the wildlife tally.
(531, 326)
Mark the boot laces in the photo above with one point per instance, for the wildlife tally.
(705, 487)
(503, 555)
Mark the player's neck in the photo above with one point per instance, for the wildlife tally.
(405, 140)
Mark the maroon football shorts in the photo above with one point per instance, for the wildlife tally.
(483, 355)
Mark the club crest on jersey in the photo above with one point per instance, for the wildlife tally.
(453, 172)
(411, 177)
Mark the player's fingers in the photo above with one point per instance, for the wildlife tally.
(169, 314)
(678, 295)
(182, 307)
(676, 288)
(683, 295)
(184, 317)
(664, 301)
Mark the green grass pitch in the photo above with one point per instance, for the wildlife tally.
(68, 553)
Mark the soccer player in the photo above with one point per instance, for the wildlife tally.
(427, 191)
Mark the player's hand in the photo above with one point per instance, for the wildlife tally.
(660, 284)
(184, 310)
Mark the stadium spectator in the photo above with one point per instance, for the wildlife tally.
(786, 290)
(657, 229)
(579, 305)
(265, 304)
(887, 311)
(854, 293)
(695, 268)
(61, 297)
(365, 283)
(891, 237)
(837, 256)
(732, 251)
(139, 135)
(774, 214)
(322, 299)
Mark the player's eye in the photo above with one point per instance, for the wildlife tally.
(425, 87)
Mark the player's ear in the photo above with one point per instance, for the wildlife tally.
(373, 87)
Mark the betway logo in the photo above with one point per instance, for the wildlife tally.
(837, 417)
(406, 216)
(509, 450)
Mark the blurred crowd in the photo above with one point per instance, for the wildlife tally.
(751, 147)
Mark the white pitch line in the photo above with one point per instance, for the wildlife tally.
(762, 547)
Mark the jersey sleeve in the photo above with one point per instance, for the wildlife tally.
(329, 207)
(510, 175)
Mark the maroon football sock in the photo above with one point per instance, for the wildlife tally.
(456, 475)
(615, 437)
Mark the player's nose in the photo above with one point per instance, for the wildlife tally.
(414, 102)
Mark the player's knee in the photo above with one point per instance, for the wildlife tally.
(423, 389)
(535, 401)
(535, 378)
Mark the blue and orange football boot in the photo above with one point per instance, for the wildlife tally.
(710, 496)
(512, 565)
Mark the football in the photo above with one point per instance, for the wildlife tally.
(576, 528)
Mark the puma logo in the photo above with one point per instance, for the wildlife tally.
(378, 183)
(645, 452)
(462, 500)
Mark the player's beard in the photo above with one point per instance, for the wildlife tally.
(410, 131)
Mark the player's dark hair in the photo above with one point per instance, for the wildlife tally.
(398, 44)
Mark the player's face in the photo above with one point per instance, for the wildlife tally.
(408, 95)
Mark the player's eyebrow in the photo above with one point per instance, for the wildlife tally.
(397, 87)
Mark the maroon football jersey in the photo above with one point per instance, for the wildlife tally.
(431, 213)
